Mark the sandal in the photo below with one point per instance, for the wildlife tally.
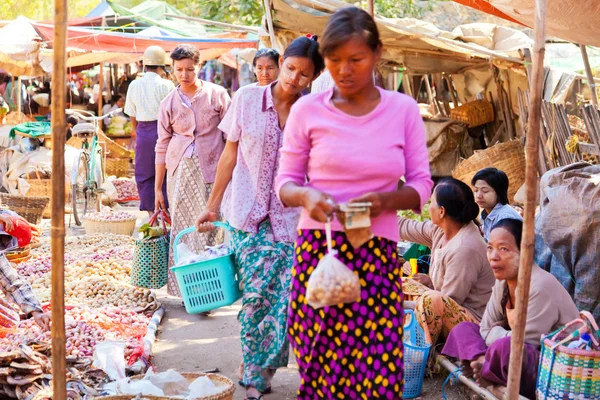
(266, 391)
(255, 398)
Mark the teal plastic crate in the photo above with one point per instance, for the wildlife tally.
(209, 284)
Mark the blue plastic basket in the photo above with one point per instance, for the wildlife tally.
(416, 353)
(209, 284)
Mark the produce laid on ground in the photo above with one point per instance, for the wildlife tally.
(110, 216)
(101, 306)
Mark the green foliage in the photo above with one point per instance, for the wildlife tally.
(245, 12)
(409, 214)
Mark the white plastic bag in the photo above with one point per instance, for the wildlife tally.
(110, 358)
(171, 382)
(332, 282)
(203, 387)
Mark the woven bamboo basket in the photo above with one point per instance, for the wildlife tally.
(218, 380)
(38, 187)
(28, 207)
(475, 113)
(508, 157)
(118, 167)
(117, 227)
(113, 149)
(19, 255)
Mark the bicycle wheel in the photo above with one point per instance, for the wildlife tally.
(79, 197)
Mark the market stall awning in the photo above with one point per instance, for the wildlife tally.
(419, 46)
(20, 45)
(91, 40)
(573, 20)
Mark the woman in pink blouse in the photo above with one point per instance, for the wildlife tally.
(188, 149)
(264, 231)
(352, 143)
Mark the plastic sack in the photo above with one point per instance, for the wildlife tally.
(332, 282)
(110, 358)
(21, 230)
(203, 387)
(132, 387)
(171, 382)
(186, 256)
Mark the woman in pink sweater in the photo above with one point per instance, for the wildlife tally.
(352, 143)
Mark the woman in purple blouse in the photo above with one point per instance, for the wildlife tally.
(264, 231)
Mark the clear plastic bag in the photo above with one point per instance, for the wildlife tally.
(332, 282)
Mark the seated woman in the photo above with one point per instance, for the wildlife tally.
(461, 277)
(491, 194)
(485, 350)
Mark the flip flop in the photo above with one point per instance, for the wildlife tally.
(266, 391)
(255, 398)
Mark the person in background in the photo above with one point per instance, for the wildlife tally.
(188, 148)
(143, 100)
(485, 350)
(14, 287)
(266, 66)
(354, 142)
(490, 186)
(117, 101)
(264, 234)
(460, 279)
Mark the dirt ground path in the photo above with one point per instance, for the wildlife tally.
(193, 343)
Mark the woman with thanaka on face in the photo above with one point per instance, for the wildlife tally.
(485, 350)
(188, 149)
(490, 186)
(264, 231)
(354, 142)
(460, 280)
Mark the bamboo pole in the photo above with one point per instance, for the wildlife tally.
(371, 8)
(269, 16)
(19, 97)
(101, 96)
(588, 73)
(59, 127)
(528, 241)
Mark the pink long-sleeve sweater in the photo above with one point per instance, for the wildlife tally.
(347, 156)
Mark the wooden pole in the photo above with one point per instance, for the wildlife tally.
(59, 127)
(371, 8)
(588, 73)
(19, 97)
(528, 241)
(101, 96)
(269, 16)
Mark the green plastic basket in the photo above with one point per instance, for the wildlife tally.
(209, 284)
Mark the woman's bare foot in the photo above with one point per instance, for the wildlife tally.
(240, 371)
(251, 392)
(467, 371)
(477, 366)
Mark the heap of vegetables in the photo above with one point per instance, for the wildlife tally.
(119, 126)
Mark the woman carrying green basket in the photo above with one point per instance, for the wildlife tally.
(264, 231)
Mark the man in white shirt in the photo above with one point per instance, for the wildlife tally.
(143, 100)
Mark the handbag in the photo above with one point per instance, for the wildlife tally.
(565, 373)
(150, 266)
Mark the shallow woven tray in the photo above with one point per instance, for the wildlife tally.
(218, 380)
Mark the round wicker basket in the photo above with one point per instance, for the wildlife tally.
(218, 380)
(125, 227)
(508, 157)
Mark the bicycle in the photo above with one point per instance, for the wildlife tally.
(87, 175)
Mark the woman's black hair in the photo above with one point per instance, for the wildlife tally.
(513, 226)
(346, 23)
(496, 179)
(185, 51)
(304, 47)
(271, 54)
(457, 199)
(115, 98)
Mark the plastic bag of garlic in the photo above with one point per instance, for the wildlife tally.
(332, 282)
